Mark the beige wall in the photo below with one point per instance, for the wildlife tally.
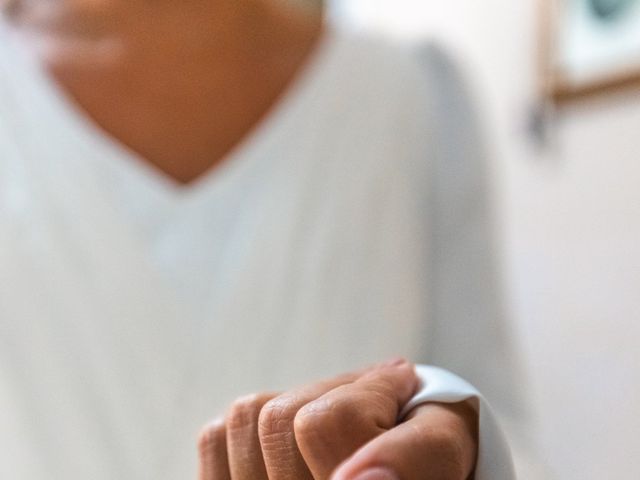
(569, 217)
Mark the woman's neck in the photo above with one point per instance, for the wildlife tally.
(180, 83)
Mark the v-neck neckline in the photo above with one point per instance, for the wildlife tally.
(276, 122)
(145, 203)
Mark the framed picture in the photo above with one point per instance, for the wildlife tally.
(590, 46)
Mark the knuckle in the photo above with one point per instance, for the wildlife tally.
(211, 437)
(245, 410)
(277, 416)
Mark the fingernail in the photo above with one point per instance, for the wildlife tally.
(377, 474)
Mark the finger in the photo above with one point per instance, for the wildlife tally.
(212, 448)
(243, 444)
(282, 458)
(437, 442)
(331, 428)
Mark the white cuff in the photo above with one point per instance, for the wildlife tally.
(494, 456)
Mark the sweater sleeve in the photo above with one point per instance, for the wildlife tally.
(494, 457)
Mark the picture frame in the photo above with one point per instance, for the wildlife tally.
(589, 47)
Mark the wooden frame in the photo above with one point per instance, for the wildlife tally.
(558, 83)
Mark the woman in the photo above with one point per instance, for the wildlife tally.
(201, 199)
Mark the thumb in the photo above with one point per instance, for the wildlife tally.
(438, 442)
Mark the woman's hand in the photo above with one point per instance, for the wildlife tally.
(344, 429)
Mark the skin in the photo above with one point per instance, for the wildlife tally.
(181, 84)
(178, 82)
(343, 428)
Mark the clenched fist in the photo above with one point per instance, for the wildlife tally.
(345, 428)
